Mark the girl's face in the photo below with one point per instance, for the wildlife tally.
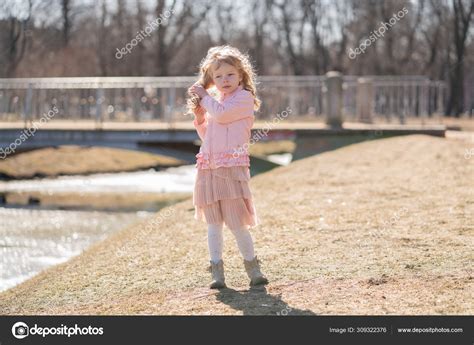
(226, 78)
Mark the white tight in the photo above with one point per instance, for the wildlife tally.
(216, 243)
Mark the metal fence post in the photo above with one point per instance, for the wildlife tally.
(27, 112)
(99, 104)
(365, 99)
(171, 100)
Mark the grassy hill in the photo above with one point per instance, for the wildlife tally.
(380, 227)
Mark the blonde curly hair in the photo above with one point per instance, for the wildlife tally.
(214, 58)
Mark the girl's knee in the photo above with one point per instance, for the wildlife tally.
(239, 231)
(215, 227)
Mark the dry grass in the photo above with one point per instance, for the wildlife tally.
(69, 160)
(99, 201)
(272, 147)
(380, 227)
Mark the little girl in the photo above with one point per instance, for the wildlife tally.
(221, 192)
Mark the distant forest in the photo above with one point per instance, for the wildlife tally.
(70, 38)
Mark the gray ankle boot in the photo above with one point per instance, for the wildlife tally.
(253, 271)
(217, 271)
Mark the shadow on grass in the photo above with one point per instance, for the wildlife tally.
(257, 301)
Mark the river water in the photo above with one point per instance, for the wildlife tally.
(179, 179)
(32, 239)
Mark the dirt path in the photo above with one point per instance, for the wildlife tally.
(380, 227)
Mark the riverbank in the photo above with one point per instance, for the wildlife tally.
(74, 160)
(379, 227)
(125, 191)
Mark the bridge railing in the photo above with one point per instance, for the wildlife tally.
(164, 98)
(398, 98)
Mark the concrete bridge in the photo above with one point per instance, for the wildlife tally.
(147, 114)
(181, 141)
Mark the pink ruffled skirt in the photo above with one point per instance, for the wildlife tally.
(223, 195)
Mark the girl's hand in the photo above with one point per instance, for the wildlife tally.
(199, 114)
(199, 90)
(199, 111)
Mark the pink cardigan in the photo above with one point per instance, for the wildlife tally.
(226, 130)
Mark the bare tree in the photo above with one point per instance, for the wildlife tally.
(291, 33)
(463, 12)
(102, 40)
(180, 25)
(66, 14)
(399, 42)
(433, 33)
(225, 18)
(345, 16)
(14, 33)
(366, 18)
(141, 47)
(259, 14)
